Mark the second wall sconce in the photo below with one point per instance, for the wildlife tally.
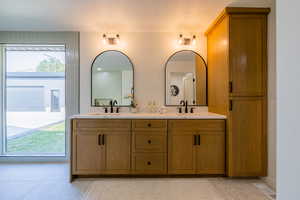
(111, 40)
(186, 40)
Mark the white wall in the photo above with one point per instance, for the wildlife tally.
(147, 50)
(288, 98)
(107, 85)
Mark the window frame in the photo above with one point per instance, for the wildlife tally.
(71, 42)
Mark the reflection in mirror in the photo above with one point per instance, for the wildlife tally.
(186, 79)
(112, 79)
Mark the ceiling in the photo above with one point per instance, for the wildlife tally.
(114, 15)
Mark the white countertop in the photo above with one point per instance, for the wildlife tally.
(200, 115)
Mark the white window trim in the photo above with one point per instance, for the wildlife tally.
(71, 42)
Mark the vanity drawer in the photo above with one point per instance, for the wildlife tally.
(197, 125)
(154, 163)
(110, 124)
(149, 124)
(149, 142)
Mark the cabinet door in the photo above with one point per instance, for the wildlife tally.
(117, 152)
(210, 157)
(181, 155)
(247, 137)
(89, 154)
(247, 55)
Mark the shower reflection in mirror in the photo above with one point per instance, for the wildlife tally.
(186, 79)
(112, 79)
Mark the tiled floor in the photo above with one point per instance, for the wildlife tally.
(50, 182)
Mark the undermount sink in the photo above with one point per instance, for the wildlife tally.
(104, 114)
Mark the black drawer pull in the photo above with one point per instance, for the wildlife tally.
(149, 141)
(195, 139)
(148, 163)
(149, 125)
(103, 139)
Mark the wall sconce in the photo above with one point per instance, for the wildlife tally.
(111, 40)
(186, 40)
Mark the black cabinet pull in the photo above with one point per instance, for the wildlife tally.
(149, 141)
(230, 86)
(99, 140)
(148, 163)
(199, 140)
(103, 139)
(149, 125)
(195, 140)
(230, 105)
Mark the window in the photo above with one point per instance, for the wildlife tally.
(34, 100)
(55, 101)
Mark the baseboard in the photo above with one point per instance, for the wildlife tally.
(270, 181)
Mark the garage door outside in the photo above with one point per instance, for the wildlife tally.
(25, 98)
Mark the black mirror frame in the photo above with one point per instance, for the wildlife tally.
(92, 79)
(166, 78)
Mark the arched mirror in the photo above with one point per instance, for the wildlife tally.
(186, 79)
(112, 79)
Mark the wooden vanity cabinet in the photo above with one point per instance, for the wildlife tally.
(149, 146)
(117, 152)
(247, 136)
(196, 147)
(237, 86)
(247, 54)
(101, 146)
(89, 154)
(182, 152)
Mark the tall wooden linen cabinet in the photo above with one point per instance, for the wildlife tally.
(237, 86)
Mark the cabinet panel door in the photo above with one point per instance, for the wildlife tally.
(211, 153)
(89, 156)
(117, 152)
(248, 55)
(181, 154)
(247, 137)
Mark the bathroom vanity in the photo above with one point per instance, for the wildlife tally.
(232, 84)
(148, 144)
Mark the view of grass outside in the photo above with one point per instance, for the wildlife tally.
(35, 100)
(50, 139)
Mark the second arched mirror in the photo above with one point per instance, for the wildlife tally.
(186, 79)
(112, 79)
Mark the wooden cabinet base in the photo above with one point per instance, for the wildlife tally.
(147, 148)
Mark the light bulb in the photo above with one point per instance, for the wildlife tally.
(117, 38)
(180, 40)
(104, 39)
(194, 40)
